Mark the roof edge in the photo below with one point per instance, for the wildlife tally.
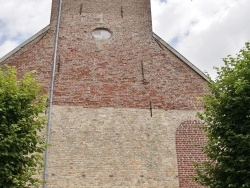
(192, 66)
(24, 43)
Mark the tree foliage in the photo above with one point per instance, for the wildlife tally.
(227, 125)
(21, 123)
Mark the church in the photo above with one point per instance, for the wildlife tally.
(123, 102)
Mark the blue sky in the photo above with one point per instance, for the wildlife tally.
(204, 31)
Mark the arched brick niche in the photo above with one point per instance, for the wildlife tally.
(189, 141)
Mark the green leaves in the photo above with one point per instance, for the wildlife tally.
(21, 141)
(227, 125)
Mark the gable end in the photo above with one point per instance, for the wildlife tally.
(192, 66)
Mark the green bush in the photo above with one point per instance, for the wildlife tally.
(21, 123)
(227, 125)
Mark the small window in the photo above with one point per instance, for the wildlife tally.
(101, 34)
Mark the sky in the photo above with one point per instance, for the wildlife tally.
(203, 31)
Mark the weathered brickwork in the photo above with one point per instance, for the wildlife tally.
(103, 134)
(94, 73)
(189, 142)
(36, 55)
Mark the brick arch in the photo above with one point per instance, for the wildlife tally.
(189, 141)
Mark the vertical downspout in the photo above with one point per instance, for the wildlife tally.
(51, 94)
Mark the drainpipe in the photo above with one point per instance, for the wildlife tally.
(51, 94)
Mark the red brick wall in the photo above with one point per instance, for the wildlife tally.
(108, 73)
(94, 73)
(189, 141)
(36, 55)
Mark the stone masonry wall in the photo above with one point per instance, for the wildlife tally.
(114, 147)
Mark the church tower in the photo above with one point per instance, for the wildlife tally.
(122, 101)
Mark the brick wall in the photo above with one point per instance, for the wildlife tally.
(109, 73)
(189, 141)
(94, 73)
(37, 55)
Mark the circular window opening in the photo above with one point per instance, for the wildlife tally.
(101, 34)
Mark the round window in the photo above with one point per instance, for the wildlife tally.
(101, 34)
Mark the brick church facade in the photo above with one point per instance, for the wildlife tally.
(124, 101)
